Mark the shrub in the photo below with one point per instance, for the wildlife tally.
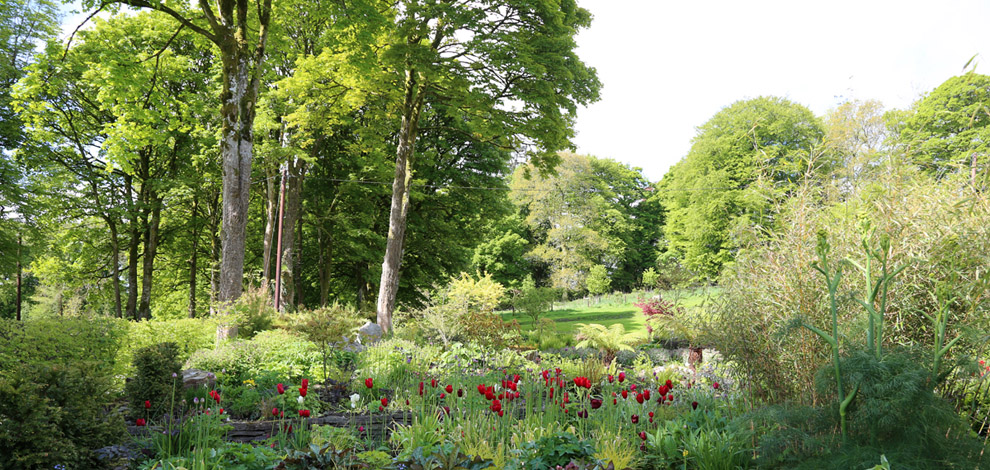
(157, 376)
(65, 341)
(328, 327)
(940, 230)
(547, 452)
(55, 414)
(278, 352)
(253, 312)
(608, 341)
(189, 335)
(463, 309)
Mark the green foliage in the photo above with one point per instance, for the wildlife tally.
(608, 341)
(949, 127)
(316, 457)
(744, 159)
(464, 310)
(423, 436)
(157, 375)
(275, 351)
(189, 334)
(253, 312)
(444, 457)
(650, 279)
(895, 413)
(534, 302)
(546, 453)
(62, 341)
(593, 211)
(598, 280)
(55, 414)
(943, 233)
(328, 328)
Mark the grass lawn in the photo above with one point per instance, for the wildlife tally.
(611, 309)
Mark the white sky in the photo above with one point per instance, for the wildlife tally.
(667, 67)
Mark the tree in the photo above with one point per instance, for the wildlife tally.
(598, 281)
(509, 70)
(650, 279)
(857, 135)
(950, 127)
(591, 212)
(743, 159)
(229, 26)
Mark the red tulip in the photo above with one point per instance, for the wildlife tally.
(639, 398)
(646, 394)
(305, 383)
(280, 388)
(669, 384)
(433, 383)
(449, 388)
(715, 385)
(596, 403)
(360, 429)
(147, 404)
(443, 395)
(625, 394)
(694, 405)
(632, 387)
(642, 435)
(221, 411)
(634, 418)
(369, 382)
(622, 377)
(381, 408)
(140, 422)
(611, 378)
(500, 413)
(460, 392)
(304, 413)
(302, 392)
(384, 401)
(481, 389)
(651, 414)
(274, 411)
(407, 402)
(615, 402)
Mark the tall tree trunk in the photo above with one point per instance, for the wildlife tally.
(115, 259)
(389, 285)
(19, 241)
(293, 190)
(271, 207)
(215, 252)
(323, 268)
(193, 258)
(132, 251)
(150, 249)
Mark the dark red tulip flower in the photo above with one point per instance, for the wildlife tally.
(634, 418)
(449, 388)
(622, 377)
(715, 385)
(305, 383)
(694, 405)
(611, 378)
(281, 388)
(384, 401)
(642, 435)
(369, 382)
(460, 392)
(147, 404)
(304, 413)
(596, 403)
(141, 422)
(625, 394)
(302, 392)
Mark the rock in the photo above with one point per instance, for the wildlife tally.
(370, 333)
(192, 378)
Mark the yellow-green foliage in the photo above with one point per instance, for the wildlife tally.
(620, 451)
(608, 341)
(941, 228)
(478, 295)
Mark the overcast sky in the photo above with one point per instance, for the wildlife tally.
(667, 67)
